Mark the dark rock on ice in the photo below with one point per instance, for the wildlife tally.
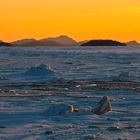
(49, 132)
(104, 106)
(60, 109)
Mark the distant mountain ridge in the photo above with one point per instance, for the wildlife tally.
(23, 41)
(64, 40)
(55, 41)
(132, 43)
(43, 43)
(103, 43)
(82, 42)
(33, 42)
(5, 43)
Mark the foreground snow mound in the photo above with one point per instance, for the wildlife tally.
(104, 106)
(123, 76)
(59, 109)
(36, 73)
(41, 71)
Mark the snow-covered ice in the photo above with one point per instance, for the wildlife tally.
(37, 85)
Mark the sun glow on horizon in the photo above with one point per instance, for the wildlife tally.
(79, 19)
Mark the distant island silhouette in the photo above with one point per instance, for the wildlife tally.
(103, 43)
(31, 42)
(5, 43)
(55, 41)
(64, 40)
(132, 43)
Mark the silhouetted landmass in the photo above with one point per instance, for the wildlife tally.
(63, 40)
(132, 43)
(5, 44)
(34, 42)
(82, 42)
(42, 43)
(56, 41)
(23, 42)
(103, 43)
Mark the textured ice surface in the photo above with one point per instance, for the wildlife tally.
(41, 72)
(32, 80)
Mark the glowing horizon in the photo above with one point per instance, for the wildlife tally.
(80, 19)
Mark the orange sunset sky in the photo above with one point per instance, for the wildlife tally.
(80, 19)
